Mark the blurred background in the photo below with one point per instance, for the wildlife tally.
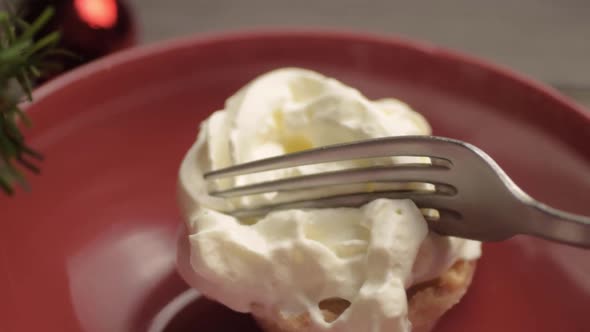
(546, 39)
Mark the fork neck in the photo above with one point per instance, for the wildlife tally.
(556, 225)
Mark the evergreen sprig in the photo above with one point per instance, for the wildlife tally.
(23, 59)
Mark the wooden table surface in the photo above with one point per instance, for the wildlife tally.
(546, 39)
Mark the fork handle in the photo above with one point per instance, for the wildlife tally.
(557, 225)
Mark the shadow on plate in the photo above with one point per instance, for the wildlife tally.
(204, 315)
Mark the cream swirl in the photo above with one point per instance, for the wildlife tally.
(287, 262)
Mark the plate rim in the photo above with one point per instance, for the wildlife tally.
(203, 39)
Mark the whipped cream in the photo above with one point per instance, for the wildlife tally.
(287, 262)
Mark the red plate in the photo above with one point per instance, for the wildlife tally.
(92, 247)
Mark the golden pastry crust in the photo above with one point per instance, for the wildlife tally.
(427, 302)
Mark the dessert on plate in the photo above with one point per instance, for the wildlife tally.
(372, 268)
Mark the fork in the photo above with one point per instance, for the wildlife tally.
(470, 196)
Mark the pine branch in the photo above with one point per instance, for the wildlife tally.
(22, 58)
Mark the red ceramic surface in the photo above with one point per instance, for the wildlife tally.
(92, 247)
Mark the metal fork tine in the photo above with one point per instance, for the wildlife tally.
(397, 173)
(418, 146)
(422, 200)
